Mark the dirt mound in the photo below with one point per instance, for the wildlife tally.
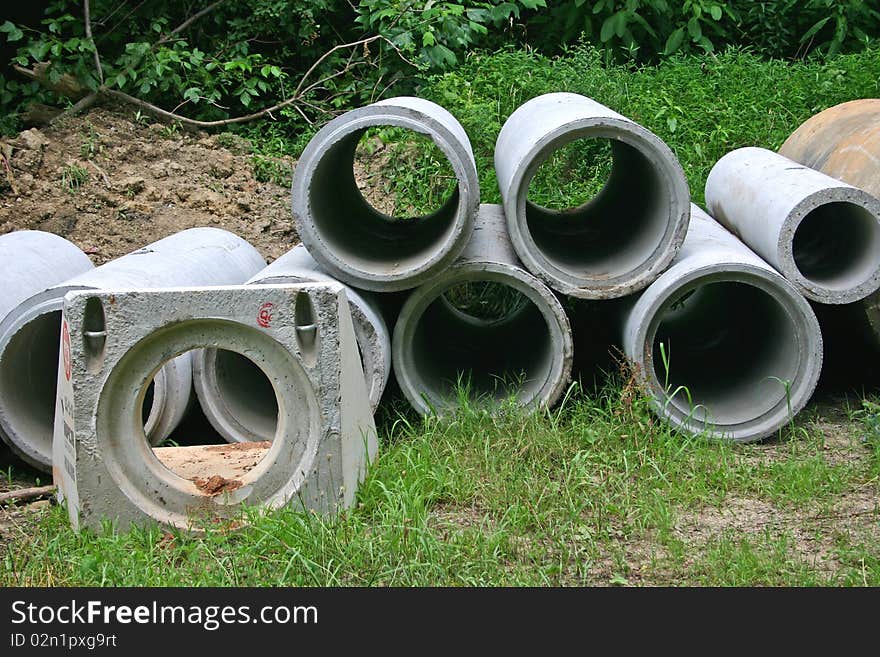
(112, 184)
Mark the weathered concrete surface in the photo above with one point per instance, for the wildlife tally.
(822, 234)
(527, 352)
(844, 143)
(622, 239)
(742, 350)
(353, 241)
(301, 336)
(198, 256)
(30, 262)
(239, 402)
(33, 260)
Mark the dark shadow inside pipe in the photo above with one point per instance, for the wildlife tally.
(28, 379)
(617, 230)
(488, 358)
(837, 245)
(361, 235)
(729, 351)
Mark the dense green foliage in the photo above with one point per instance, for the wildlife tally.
(244, 56)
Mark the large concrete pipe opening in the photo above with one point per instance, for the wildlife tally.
(724, 351)
(724, 345)
(236, 396)
(205, 457)
(613, 233)
(822, 234)
(484, 334)
(356, 242)
(837, 246)
(28, 380)
(614, 243)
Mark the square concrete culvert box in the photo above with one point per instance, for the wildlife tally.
(114, 342)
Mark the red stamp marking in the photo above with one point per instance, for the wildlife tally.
(264, 316)
(65, 349)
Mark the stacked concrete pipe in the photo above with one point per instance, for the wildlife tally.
(844, 143)
(527, 352)
(354, 242)
(32, 261)
(198, 256)
(238, 400)
(741, 348)
(822, 234)
(621, 240)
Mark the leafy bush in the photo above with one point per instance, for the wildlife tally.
(437, 32)
(646, 29)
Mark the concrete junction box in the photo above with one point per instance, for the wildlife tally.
(114, 342)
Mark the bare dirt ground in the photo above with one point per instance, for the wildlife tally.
(141, 183)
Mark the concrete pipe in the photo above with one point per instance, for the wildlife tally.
(32, 261)
(844, 143)
(722, 342)
(239, 401)
(198, 256)
(353, 241)
(616, 243)
(524, 349)
(822, 234)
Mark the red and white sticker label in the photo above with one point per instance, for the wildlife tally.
(264, 315)
(65, 349)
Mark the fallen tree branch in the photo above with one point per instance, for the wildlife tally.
(297, 98)
(27, 494)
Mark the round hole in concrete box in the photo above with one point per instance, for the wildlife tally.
(725, 351)
(197, 452)
(837, 245)
(483, 338)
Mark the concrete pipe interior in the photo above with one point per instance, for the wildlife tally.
(729, 345)
(367, 238)
(837, 246)
(616, 230)
(196, 451)
(483, 335)
(28, 379)
(243, 393)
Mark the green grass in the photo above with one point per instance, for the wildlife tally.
(596, 492)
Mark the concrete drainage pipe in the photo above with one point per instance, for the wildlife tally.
(722, 342)
(353, 241)
(443, 335)
(30, 333)
(618, 242)
(822, 234)
(239, 401)
(844, 143)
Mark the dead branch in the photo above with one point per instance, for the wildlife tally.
(103, 175)
(88, 28)
(189, 21)
(27, 494)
